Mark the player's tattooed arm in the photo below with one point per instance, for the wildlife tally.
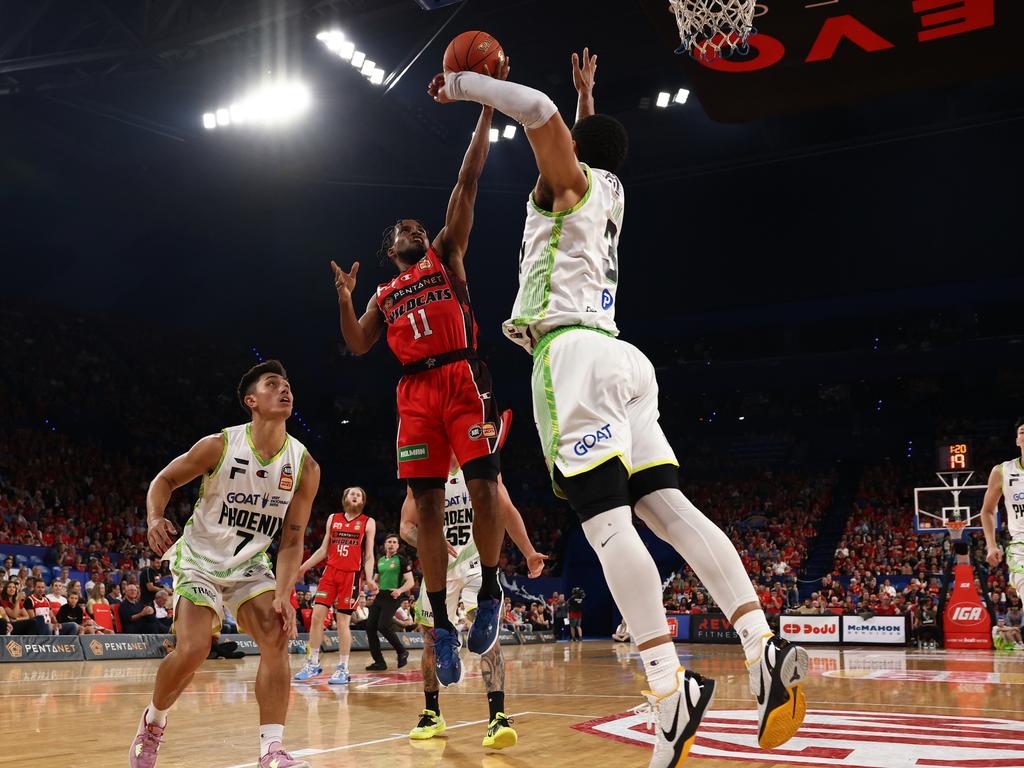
(202, 458)
(492, 669)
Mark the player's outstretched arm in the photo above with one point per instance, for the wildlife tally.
(583, 76)
(517, 532)
(289, 552)
(369, 540)
(360, 333)
(988, 514)
(202, 458)
(546, 130)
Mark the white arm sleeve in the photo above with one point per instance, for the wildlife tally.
(527, 106)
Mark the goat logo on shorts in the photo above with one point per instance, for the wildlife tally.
(286, 481)
(588, 441)
(483, 430)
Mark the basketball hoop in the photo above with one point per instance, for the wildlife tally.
(709, 29)
(956, 529)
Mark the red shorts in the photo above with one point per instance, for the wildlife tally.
(340, 586)
(444, 411)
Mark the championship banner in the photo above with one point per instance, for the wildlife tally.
(40, 648)
(679, 626)
(99, 647)
(409, 639)
(712, 628)
(246, 644)
(359, 641)
(508, 637)
(878, 629)
(810, 629)
(967, 623)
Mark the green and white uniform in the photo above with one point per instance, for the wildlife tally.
(221, 555)
(595, 397)
(1013, 499)
(464, 574)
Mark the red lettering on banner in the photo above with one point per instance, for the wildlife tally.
(836, 29)
(964, 16)
(768, 52)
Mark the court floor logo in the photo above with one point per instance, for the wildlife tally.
(837, 738)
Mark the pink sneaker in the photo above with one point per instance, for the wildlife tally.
(147, 743)
(278, 758)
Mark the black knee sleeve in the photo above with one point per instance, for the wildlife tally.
(483, 468)
(604, 487)
(421, 485)
(653, 479)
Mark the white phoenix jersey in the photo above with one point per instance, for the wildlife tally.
(569, 264)
(458, 520)
(241, 505)
(1013, 498)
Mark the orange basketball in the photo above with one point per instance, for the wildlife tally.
(473, 51)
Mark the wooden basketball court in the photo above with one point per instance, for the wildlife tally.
(869, 707)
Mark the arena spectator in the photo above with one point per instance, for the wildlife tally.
(16, 618)
(1005, 637)
(137, 618)
(73, 613)
(149, 581)
(57, 593)
(403, 619)
(621, 634)
(360, 614)
(163, 612)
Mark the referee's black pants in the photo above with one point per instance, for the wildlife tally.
(382, 614)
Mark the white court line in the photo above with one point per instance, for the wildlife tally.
(828, 704)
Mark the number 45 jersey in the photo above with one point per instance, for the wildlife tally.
(241, 507)
(569, 264)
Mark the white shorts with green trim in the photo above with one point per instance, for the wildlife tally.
(462, 586)
(1015, 564)
(201, 587)
(595, 398)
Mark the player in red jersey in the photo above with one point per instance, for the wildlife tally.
(445, 404)
(348, 547)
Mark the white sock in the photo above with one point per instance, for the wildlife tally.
(269, 734)
(630, 572)
(661, 665)
(314, 656)
(343, 661)
(754, 631)
(156, 716)
(703, 545)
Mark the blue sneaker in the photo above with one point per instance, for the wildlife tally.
(340, 676)
(309, 671)
(486, 624)
(446, 653)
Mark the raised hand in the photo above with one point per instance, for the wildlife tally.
(344, 282)
(501, 73)
(436, 89)
(583, 75)
(161, 535)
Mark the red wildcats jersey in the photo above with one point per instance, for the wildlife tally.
(345, 550)
(427, 311)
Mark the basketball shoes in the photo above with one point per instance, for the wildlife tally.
(447, 663)
(309, 671)
(675, 717)
(143, 752)
(500, 733)
(340, 676)
(486, 624)
(278, 758)
(775, 682)
(431, 724)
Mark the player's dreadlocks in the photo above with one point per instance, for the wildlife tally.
(388, 239)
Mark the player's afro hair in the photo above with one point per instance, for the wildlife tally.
(252, 376)
(601, 142)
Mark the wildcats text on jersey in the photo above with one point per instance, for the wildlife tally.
(395, 311)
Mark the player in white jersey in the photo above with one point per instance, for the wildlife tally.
(1007, 480)
(596, 408)
(258, 483)
(463, 581)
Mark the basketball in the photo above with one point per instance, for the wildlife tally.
(474, 51)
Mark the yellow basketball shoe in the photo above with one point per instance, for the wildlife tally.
(775, 682)
(500, 733)
(431, 724)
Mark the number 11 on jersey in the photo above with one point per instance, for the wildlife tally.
(415, 328)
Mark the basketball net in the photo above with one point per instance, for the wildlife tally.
(956, 529)
(709, 29)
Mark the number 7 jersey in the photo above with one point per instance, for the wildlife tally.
(569, 264)
(241, 506)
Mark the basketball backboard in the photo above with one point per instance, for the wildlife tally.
(811, 53)
(954, 500)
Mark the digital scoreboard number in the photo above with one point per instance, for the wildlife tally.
(954, 456)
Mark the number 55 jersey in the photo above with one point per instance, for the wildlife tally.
(220, 556)
(445, 404)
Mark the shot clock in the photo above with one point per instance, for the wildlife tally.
(954, 456)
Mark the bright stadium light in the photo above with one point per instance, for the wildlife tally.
(332, 39)
(270, 104)
(493, 135)
(377, 78)
(209, 121)
(681, 96)
(510, 132)
(223, 117)
(663, 99)
(238, 113)
(358, 57)
(368, 66)
(346, 50)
